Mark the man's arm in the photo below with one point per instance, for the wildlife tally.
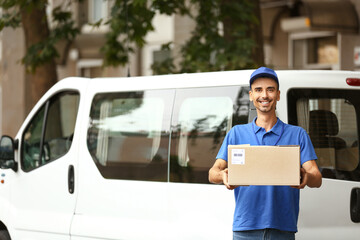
(310, 175)
(219, 173)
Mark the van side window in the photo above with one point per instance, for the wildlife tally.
(330, 118)
(49, 134)
(202, 117)
(128, 135)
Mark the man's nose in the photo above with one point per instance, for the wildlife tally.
(264, 94)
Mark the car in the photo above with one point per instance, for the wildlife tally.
(128, 158)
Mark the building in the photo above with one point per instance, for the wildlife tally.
(307, 34)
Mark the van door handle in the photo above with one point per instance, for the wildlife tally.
(71, 179)
(355, 205)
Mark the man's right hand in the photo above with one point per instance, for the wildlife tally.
(225, 176)
(219, 174)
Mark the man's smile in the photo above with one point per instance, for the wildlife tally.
(264, 102)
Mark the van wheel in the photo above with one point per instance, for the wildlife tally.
(4, 235)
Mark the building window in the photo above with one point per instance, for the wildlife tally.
(98, 9)
(89, 68)
(160, 56)
(313, 50)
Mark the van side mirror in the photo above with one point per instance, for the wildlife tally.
(7, 150)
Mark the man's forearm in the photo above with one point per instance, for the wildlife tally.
(216, 175)
(314, 179)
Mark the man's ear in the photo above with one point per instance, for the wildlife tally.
(250, 96)
(278, 96)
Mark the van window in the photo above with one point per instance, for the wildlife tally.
(330, 118)
(202, 117)
(49, 134)
(128, 136)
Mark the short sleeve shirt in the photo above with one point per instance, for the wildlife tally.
(260, 207)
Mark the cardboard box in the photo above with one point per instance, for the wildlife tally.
(264, 165)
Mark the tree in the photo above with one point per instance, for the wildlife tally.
(227, 36)
(40, 40)
(130, 22)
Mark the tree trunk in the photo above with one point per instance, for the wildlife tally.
(36, 29)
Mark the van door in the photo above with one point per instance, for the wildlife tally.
(123, 165)
(331, 117)
(43, 194)
(133, 187)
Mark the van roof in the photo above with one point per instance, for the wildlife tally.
(287, 79)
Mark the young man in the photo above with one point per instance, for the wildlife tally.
(266, 212)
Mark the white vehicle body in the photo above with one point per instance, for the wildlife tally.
(77, 194)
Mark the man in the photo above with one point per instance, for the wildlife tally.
(267, 212)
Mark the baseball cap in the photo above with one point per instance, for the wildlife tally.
(264, 72)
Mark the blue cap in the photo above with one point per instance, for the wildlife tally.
(264, 72)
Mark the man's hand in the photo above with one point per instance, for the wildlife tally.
(309, 175)
(303, 179)
(225, 177)
(219, 174)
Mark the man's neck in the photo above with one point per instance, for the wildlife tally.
(266, 121)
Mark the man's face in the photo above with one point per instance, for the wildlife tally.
(264, 93)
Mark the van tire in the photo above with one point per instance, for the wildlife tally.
(4, 235)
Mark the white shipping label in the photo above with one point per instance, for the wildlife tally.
(238, 156)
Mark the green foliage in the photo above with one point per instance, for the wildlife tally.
(10, 20)
(10, 17)
(166, 66)
(130, 22)
(222, 38)
(43, 51)
(64, 26)
(170, 7)
(210, 48)
(38, 54)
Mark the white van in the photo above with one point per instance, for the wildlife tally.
(128, 158)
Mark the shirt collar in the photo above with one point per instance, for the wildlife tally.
(277, 128)
(255, 127)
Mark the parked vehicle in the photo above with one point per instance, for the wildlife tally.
(128, 158)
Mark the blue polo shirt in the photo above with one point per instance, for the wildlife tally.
(260, 207)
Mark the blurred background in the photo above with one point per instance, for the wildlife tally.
(44, 41)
